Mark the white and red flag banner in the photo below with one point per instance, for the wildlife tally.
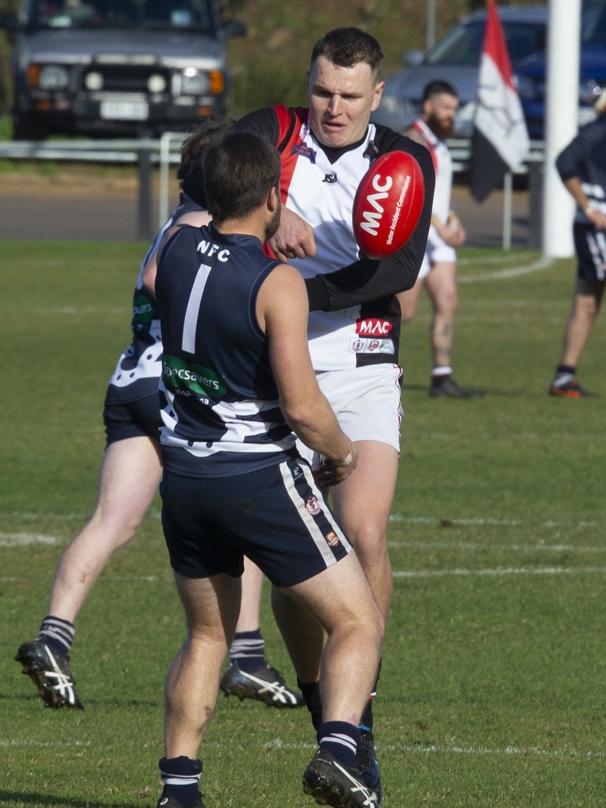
(500, 138)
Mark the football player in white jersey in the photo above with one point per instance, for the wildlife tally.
(354, 316)
(438, 273)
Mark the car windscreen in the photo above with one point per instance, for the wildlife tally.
(158, 14)
(462, 45)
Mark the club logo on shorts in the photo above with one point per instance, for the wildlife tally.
(297, 472)
(332, 539)
(313, 506)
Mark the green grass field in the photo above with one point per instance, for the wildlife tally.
(493, 689)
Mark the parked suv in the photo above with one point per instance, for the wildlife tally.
(127, 67)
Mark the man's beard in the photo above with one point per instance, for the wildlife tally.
(443, 130)
(271, 228)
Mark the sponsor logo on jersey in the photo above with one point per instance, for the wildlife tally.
(313, 506)
(372, 218)
(332, 539)
(182, 378)
(330, 178)
(374, 346)
(304, 151)
(144, 309)
(373, 327)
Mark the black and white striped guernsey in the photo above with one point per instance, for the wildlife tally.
(138, 368)
(219, 401)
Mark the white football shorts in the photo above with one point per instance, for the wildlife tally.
(437, 250)
(367, 403)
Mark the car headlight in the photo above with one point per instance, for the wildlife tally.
(195, 82)
(53, 77)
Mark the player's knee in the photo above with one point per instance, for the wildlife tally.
(119, 526)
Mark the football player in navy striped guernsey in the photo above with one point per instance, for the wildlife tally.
(354, 315)
(128, 482)
(236, 381)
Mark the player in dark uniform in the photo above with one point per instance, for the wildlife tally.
(354, 315)
(582, 167)
(236, 377)
(129, 479)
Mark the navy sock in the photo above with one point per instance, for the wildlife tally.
(58, 634)
(181, 777)
(313, 702)
(341, 739)
(247, 650)
(564, 374)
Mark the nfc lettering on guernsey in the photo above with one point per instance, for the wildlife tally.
(209, 248)
(185, 379)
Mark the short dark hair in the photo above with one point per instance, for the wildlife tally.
(438, 87)
(206, 132)
(347, 47)
(238, 173)
(189, 173)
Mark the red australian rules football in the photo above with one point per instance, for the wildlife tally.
(388, 204)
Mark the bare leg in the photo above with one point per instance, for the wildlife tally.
(252, 588)
(585, 306)
(129, 479)
(341, 600)
(362, 505)
(303, 635)
(211, 607)
(409, 301)
(441, 285)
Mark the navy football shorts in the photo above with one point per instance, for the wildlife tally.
(275, 515)
(132, 419)
(590, 247)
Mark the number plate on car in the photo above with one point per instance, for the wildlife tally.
(124, 110)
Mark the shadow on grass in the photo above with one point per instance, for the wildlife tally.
(33, 798)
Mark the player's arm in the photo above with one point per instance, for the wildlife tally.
(574, 186)
(282, 313)
(195, 218)
(365, 279)
(568, 164)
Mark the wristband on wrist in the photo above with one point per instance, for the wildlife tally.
(348, 459)
(588, 209)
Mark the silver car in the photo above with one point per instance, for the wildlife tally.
(456, 59)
